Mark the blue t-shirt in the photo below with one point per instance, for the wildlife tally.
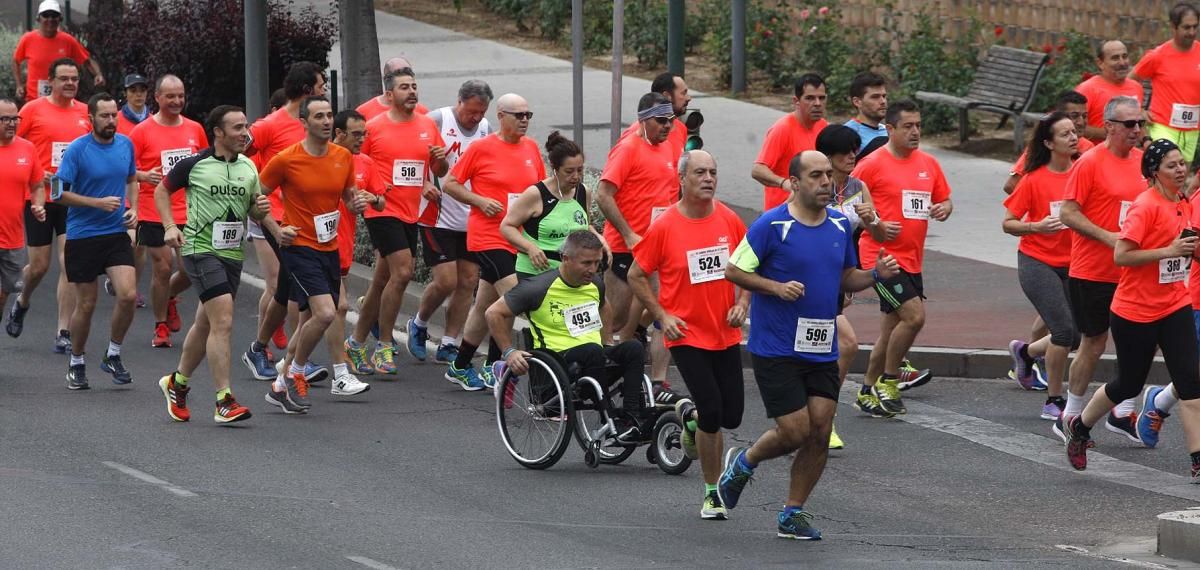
(866, 133)
(781, 248)
(96, 170)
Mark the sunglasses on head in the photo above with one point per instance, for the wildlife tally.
(523, 116)
(1131, 123)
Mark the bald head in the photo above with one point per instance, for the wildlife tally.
(394, 64)
(169, 93)
(688, 158)
(805, 162)
(511, 103)
(512, 112)
(811, 174)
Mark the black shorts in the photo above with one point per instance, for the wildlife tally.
(785, 384)
(1090, 302)
(153, 234)
(899, 289)
(390, 235)
(39, 234)
(213, 275)
(440, 245)
(312, 272)
(621, 262)
(88, 258)
(496, 264)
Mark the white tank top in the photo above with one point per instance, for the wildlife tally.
(449, 213)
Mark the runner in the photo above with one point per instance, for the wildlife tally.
(315, 176)
(1170, 68)
(1074, 106)
(868, 94)
(407, 149)
(701, 315)
(675, 89)
(212, 251)
(908, 187)
(796, 289)
(376, 106)
(134, 111)
(1150, 306)
(1100, 190)
(159, 143)
(1044, 255)
(1113, 60)
(50, 123)
(443, 230)
(97, 174)
(791, 134)
(20, 175)
(498, 168)
(40, 48)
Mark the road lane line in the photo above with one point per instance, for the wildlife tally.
(369, 563)
(166, 485)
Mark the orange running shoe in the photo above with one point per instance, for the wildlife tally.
(228, 410)
(162, 336)
(173, 321)
(176, 398)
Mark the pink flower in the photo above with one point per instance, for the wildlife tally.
(823, 11)
(804, 14)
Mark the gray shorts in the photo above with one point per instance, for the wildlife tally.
(12, 262)
(213, 275)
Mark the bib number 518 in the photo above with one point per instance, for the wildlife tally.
(408, 172)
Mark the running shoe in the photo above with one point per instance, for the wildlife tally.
(910, 377)
(446, 354)
(162, 336)
(360, 363)
(176, 397)
(1077, 437)
(417, 339)
(228, 411)
(347, 384)
(1039, 374)
(869, 404)
(487, 375)
(499, 367)
(111, 363)
(108, 287)
(173, 321)
(797, 524)
(684, 409)
(259, 363)
(141, 301)
(1057, 429)
(1022, 368)
(297, 390)
(734, 477)
(712, 509)
(1196, 469)
(280, 399)
(1053, 408)
(279, 338)
(77, 377)
(835, 442)
(664, 397)
(1126, 426)
(16, 319)
(888, 392)
(1149, 421)
(315, 373)
(384, 359)
(62, 342)
(629, 430)
(467, 379)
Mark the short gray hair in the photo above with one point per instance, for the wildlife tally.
(475, 89)
(687, 156)
(580, 239)
(1110, 110)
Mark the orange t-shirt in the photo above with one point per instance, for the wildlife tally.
(785, 139)
(155, 145)
(372, 108)
(677, 137)
(1172, 75)
(19, 170)
(647, 184)
(690, 258)
(1194, 274)
(1105, 187)
(1040, 194)
(1153, 290)
(1019, 166)
(39, 52)
(51, 128)
(271, 135)
(1099, 91)
(402, 162)
(903, 191)
(125, 126)
(364, 179)
(314, 186)
(500, 171)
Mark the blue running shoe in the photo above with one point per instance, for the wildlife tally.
(467, 379)
(314, 373)
(797, 524)
(446, 354)
(1149, 421)
(1039, 375)
(417, 337)
(260, 365)
(112, 365)
(734, 478)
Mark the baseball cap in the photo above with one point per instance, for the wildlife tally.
(49, 6)
(135, 79)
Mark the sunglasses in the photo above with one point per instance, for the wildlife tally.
(523, 116)
(664, 121)
(1131, 123)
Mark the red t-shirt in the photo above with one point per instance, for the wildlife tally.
(314, 187)
(155, 145)
(1105, 187)
(51, 128)
(677, 137)
(402, 162)
(1153, 290)
(785, 139)
(500, 171)
(1099, 91)
(372, 108)
(126, 126)
(1040, 194)
(364, 179)
(903, 191)
(39, 52)
(19, 170)
(1019, 166)
(647, 184)
(690, 258)
(1172, 75)
(271, 135)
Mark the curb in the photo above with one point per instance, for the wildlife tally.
(1179, 535)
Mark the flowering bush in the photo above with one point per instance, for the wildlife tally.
(1072, 60)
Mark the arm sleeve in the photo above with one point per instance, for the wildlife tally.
(272, 174)
(529, 294)
(68, 169)
(25, 123)
(1147, 67)
(132, 162)
(1079, 182)
(1137, 223)
(648, 252)
(768, 155)
(941, 188)
(617, 168)
(1018, 204)
(753, 248)
(464, 169)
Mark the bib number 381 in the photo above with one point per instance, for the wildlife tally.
(582, 319)
(326, 225)
(814, 336)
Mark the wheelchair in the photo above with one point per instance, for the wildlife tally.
(539, 412)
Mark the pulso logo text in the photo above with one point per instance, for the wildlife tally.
(226, 190)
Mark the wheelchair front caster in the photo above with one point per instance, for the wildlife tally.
(591, 457)
(651, 457)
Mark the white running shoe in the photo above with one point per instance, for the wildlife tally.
(279, 367)
(348, 384)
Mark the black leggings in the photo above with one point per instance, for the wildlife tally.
(714, 379)
(1136, 342)
(629, 355)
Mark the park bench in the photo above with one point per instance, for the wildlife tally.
(1032, 118)
(1005, 83)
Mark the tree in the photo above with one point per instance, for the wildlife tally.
(360, 51)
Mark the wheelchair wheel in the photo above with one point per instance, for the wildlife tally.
(668, 449)
(533, 412)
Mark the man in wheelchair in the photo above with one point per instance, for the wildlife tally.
(565, 309)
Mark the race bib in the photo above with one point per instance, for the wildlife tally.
(656, 212)
(326, 225)
(1056, 208)
(172, 157)
(57, 150)
(915, 204)
(408, 172)
(814, 336)
(582, 319)
(512, 199)
(43, 88)
(1185, 116)
(1172, 270)
(1125, 205)
(227, 235)
(707, 264)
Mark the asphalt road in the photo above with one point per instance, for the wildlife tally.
(412, 474)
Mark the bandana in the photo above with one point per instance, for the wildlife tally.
(660, 110)
(1153, 157)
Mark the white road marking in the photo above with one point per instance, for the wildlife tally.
(369, 563)
(166, 485)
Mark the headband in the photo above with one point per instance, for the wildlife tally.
(659, 110)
